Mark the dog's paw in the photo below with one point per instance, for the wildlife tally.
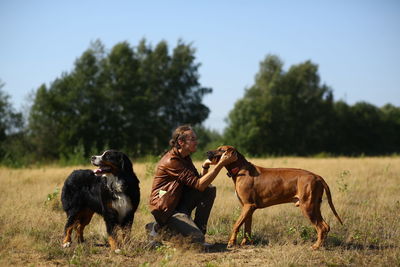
(230, 245)
(117, 251)
(246, 242)
(314, 247)
(66, 245)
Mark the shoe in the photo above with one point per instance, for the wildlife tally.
(207, 245)
(151, 229)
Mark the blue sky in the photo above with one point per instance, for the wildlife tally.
(356, 43)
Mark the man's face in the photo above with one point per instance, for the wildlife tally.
(190, 144)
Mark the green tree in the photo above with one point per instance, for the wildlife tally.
(10, 120)
(283, 112)
(127, 104)
(67, 116)
(391, 129)
(366, 129)
(293, 113)
(128, 99)
(310, 107)
(250, 121)
(343, 132)
(366, 123)
(11, 124)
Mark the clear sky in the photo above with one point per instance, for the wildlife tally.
(356, 43)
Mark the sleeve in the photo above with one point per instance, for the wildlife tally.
(175, 168)
(189, 178)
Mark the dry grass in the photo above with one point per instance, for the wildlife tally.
(365, 193)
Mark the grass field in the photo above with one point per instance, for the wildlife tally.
(365, 192)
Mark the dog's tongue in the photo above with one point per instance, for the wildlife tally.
(98, 171)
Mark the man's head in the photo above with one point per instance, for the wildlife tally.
(184, 139)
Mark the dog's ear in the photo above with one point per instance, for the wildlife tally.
(126, 164)
(122, 161)
(231, 151)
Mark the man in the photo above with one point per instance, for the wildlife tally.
(178, 188)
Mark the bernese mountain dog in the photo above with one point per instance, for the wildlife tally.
(112, 191)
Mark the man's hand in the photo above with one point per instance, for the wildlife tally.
(206, 164)
(227, 159)
(209, 176)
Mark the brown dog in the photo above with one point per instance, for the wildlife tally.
(258, 187)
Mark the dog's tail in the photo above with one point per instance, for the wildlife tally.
(328, 195)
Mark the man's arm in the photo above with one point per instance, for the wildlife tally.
(209, 176)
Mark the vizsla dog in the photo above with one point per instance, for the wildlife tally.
(258, 187)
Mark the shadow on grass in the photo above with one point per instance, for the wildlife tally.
(357, 246)
(332, 242)
(335, 242)
(101, 245)
(219, 247)
(216, 248)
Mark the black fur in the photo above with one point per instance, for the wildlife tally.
(105, 191)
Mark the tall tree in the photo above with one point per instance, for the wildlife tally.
(67, 115)
(251, 120)
(391, 128)
(130, 99)
(127, 106)
(283, 112)
(11, 121)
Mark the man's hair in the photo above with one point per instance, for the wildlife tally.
(179, 134)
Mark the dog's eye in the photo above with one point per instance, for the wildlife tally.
(107, 156)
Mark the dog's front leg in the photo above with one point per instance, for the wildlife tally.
(126, 226)
(247, 211)
(111, 219)
(247, 230)
(112, 236)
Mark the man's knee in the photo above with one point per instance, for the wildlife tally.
(210, 192)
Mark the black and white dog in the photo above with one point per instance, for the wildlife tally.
(112, 191)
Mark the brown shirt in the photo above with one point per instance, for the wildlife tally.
(172, 174)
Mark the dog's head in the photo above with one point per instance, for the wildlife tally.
(215, 155)
(112, 161)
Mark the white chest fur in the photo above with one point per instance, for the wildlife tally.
(122, 203)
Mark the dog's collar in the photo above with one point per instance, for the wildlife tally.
(233, 172)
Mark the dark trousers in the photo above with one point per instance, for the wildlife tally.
(201, 201)
(181, 221)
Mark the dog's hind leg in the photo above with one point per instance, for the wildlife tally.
(69, 227)
(247, 211)
(311, 208)
(321, 226)
(247, 230)
(83, 219)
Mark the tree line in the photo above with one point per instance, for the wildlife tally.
(292, 113)
(131, 98)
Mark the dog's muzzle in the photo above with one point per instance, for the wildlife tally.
(210, 155)
(214, 156)
(102, 168)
